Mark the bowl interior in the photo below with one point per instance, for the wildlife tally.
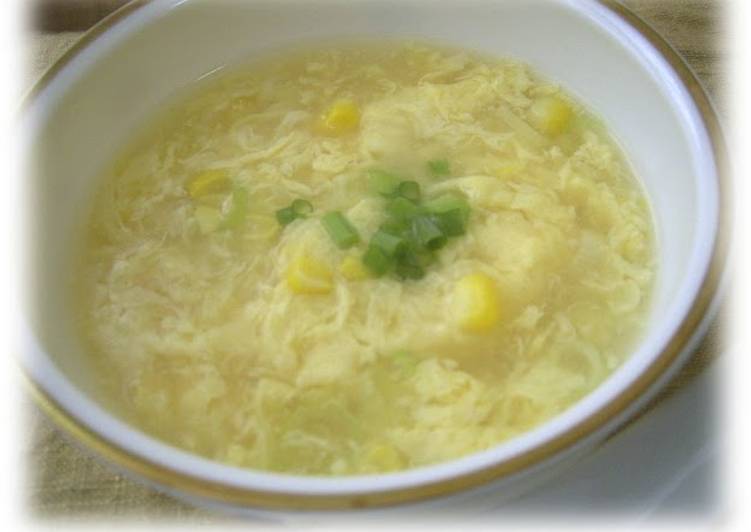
(79, 120)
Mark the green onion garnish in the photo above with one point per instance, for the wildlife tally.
(396, 227)
(376, 260)
(299, 208)
(406, 242)
(302, 208)
(448, 202)
(452, 222)
(340, 229)
(439, 167)
(401, 208)
(407, 270)
(383, 183)
(286, 216)
(391, 245)
(238, 209)
(411, 265)
(423, 258)
(427, 233)
(409, 190)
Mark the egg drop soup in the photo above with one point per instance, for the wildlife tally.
(362, 258)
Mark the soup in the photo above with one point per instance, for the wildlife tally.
(363, 258)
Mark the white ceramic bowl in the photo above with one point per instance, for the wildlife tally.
(85, 108)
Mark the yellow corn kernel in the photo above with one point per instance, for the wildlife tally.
(383, 457)
(306, 275)
(208, 182)
(352, 268)
(208, 218)
(341, 117)
(476, 303)
(550, 114)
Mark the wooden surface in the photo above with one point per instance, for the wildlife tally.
(70, 15)
(65, 482)
(696, 28)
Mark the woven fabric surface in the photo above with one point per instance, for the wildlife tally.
(64, 481)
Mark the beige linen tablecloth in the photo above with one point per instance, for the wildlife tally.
(65, 481)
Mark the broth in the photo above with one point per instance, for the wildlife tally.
(229, 319)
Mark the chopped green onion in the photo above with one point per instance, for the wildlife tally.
(401, 208)
(238, 209)
(340, 229)
(409, 190)
(406, 242)
(427, 233)
(424, 258)
(447, 202)
(396, 227)
(391, 245)
(299, 208)
(409, 270)
(302, 208)
(412, 264)
(439, 167)
(452, 222)
(286, 215)
(376, 260)
(383, 183)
